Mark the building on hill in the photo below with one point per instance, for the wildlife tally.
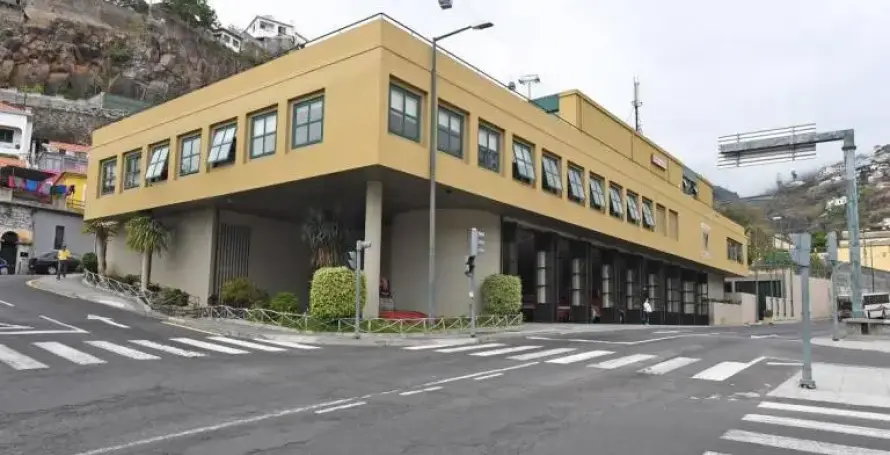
(16, 128)
(228, 38)
(593, 217)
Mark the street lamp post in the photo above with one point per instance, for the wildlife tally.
(434, 111)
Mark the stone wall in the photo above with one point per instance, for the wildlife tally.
(13, 217)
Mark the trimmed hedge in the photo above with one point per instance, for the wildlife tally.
(502, 295)
(90, 262)
(242, 293)
(285, 302)
(332, 295)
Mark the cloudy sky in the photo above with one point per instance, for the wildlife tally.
(707, 67)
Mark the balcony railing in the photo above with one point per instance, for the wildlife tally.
(75, 205)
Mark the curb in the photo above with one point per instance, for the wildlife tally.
(131, 307)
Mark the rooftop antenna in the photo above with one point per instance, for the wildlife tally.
(637, 103)
(529, 80)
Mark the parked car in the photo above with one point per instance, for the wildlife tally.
(47, 263)
(5, 269)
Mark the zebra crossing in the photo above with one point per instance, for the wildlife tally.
(807, 428)
(652, 364)
(42, 354)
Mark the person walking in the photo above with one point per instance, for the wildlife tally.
(62, 267)
(647, 309)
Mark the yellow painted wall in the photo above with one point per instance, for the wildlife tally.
(874, 256)
(355, 69)
(79, 181)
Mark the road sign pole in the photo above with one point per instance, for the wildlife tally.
(801, 257)
(358, 289)
(831, 244)
(853, 228)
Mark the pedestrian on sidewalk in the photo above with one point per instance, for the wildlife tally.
(647, 309)
(62, 266)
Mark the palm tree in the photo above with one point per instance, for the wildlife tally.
(325, 236)
(103, 230)
(148, 236)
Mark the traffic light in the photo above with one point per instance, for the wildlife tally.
(832, 246)
(470, 265)
(352, 260)
(477, 242)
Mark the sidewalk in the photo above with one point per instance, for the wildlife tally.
(872, 343)
(74, 287)
(842, 384)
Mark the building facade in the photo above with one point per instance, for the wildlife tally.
(593, 217)
(16, 127)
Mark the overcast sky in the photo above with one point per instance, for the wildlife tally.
(707, 68)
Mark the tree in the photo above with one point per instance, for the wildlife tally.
(325, 236)
(197, 13)
(148, 236)
(820, 241)
(103, 230)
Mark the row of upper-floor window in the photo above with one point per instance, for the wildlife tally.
(306, 128)
(581, 187)
(735, 251)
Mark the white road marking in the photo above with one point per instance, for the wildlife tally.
(342, 406)
(579, 357)
(210, 428)
(504, 351)
(784, 364)
(436, 345)
(76, 329)
(122, 350)
(863, 415)
(625, 343)
(666, 332)
(800, 445)
(247, 344)
(68, 353)
(725, 370)
(18, 361)
(415, 392)
(2, 302)
(488, 376)
(209, 346)
(4, 326)
(288, 344)
(622, 361)
(481, 373)
(168, 349)
(669, 365)
(188, 328)
(539, 354)
(854, 430)
(470, 347)
(714, 453)
(107, 320)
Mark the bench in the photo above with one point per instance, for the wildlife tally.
(863, 326)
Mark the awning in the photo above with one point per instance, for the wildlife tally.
(25, 173)
(24, 236)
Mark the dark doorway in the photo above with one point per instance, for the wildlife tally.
(9, 248)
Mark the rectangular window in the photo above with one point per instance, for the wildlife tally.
(705, 238)
(551, 169)
(404, 113)
(489, 148)
(156, 171)
(308, 122)
(734, 251)
(661, 219)
(523, 163)
(132, 169)
(597, 192)
(6, 135)
(222, 145)
(576, 183)
(633, 208)
(690, 187)
(263, 134)
(59, 238)
(648, 216)
(673, 225)
(109, 175)
(189, 155)
(615, 201)
(450, 134)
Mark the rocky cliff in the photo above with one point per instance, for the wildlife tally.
(79, 48)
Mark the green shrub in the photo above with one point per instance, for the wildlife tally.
(173, 296)
(90, 262)
(332, 295)
(502, 295)
(131, 279)
(242, 293)
(285, 302)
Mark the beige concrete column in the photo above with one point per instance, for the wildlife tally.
(374, 234)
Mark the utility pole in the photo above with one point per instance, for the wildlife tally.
(800, 254)
(832, 289)
(355, 263)
(637, 104)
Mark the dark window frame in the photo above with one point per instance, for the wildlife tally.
(648, 214)
(633, 207)
(310, 122)
(575, 183)
(266, 136)
(225, 148)
(523, 162)
(447, 133)
(489, 158)
(401, 112)
(109, 179)
(551, 171)
(616, 201)
(7, 131)
(158, 166)
(193, 157)
(59, 237)
(597, 188)
(132, 174)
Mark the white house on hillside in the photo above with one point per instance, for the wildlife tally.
(228, 38)
(16, 127)
(269, 27)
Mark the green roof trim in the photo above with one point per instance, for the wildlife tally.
(549, 104)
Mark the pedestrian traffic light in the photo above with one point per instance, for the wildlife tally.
(477, 242)
(470, 265)
(352, 260)
(831, 242)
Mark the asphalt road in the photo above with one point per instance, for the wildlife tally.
(616, 393)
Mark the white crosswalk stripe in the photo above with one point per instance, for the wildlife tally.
(446, 344)
(580, 357)
(19, 361)
(247, 344)
(122, 350)
(168, 349)
(721, 371)
(209, 346)
(541, 354)
(289, 344)
(622, 361)
(669, 365)
(797, 444)
(471, 347)
(504, 351)
(68, 353)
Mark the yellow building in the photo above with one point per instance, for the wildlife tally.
(592, 216)
(874, 249)
(78, 181)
